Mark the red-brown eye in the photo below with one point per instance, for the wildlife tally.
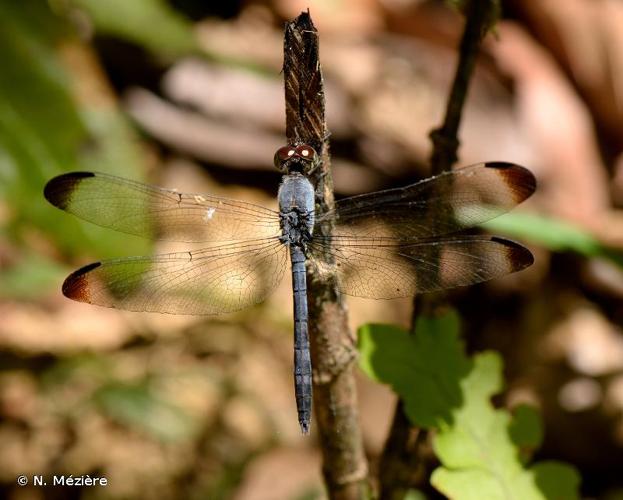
(306, 152)
(283, 154)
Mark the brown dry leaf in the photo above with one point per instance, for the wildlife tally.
(408, 97)
(19, 397)
(586, 38)
(73, 327)
(614, 396)
(239, 96)
(25, 453)
(250, 38)
(265, 373)
(282, 473)
(133, 465)
(346, 17)
(572, 179)
(209, 140)
(352, 62)
(580, 394)
(243, 420)
(588, 341)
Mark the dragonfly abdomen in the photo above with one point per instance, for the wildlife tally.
(302, 358)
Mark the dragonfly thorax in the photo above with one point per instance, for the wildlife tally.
(295, 228)
(296, 210)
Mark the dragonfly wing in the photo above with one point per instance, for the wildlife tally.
(440, 205)
(135, 208)
(208, 281)
(386, 269)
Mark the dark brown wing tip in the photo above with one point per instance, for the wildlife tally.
(519, 256)
(520, 178)
(501, 164)
(58, 190)
(75, 285)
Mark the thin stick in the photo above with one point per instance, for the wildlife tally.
(332, 346)
(407, 458)
(480, 14)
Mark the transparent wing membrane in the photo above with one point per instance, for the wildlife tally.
(392, 243)
(439, 205)
(400, 242)
(387, 269)
(135, 208)
(208, 281)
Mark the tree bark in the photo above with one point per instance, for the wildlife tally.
(333, 347)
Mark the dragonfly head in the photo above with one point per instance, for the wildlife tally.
(302, 158)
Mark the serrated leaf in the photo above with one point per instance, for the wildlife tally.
(526, 430)
(463, 443)
(543, 481)
(424, 369)
(556, 480)
(478, 449)
(482, 449)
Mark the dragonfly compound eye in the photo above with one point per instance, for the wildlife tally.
(306, 152)
(283, 154)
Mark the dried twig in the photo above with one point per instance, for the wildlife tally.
(332, 347)
(480, 15)
(407, 459)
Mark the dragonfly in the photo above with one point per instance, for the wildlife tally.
(393, 243)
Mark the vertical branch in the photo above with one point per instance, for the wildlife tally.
(304, 88)
(480, 16)
(407, 459)
(332, 346)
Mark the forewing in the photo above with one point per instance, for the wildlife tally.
(387, 269)
(439, 205)
(208, 281)
(135, 208)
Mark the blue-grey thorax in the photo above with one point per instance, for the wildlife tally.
(296, 206)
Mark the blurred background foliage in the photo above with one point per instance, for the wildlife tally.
(188, 94)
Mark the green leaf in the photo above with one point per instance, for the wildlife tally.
(137, 405)
(544, 481)
(465, 441)
(556, 480)
(478, 449)
(425, 369)
(87, 368)
(526, 430)
(30, 277)
(150, 23)
(553, 234)
(414, 495)
(482, 450)
(40, 127)
(44, 131)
